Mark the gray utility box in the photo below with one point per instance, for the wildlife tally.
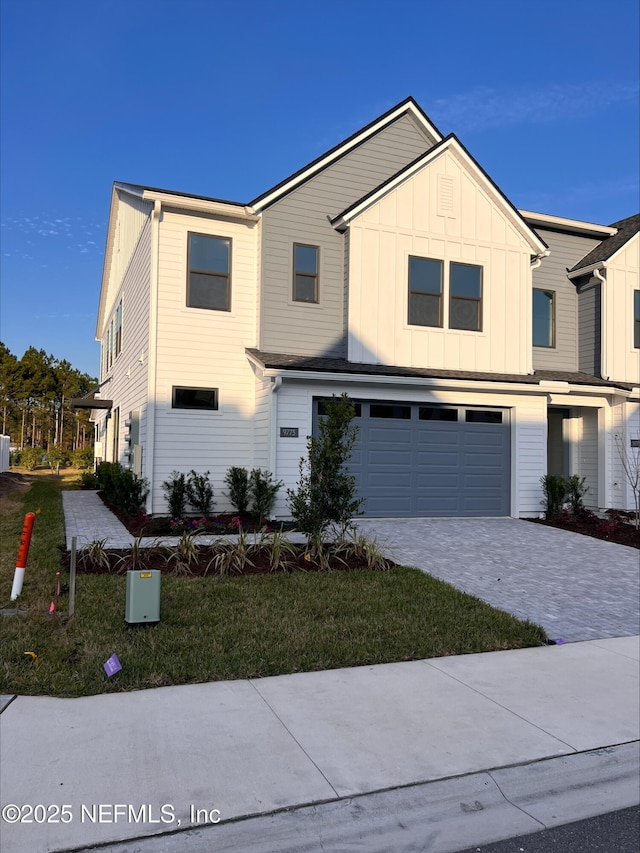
(143, 597)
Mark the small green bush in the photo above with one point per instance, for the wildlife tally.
(122, 489)
(200, 492)
(31, 457)
(263, 491)
(237, 482)
(57, 457)
(575, 490)
(82, 458)
(175, 488)
(554, 488)
(88, 480)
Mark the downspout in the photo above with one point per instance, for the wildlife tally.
(604, 371)
(153, 354)
(276, 382)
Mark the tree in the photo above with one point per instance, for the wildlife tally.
(326, 493)
(8, 383)
(630, 459)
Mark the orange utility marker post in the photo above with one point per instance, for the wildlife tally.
(23, 551)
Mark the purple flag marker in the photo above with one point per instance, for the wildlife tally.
(558, 641)
(112, 666)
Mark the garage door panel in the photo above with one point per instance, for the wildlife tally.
(416, 467)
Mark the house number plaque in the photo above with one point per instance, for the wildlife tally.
(288, 432)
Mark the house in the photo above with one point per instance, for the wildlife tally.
(484, 345)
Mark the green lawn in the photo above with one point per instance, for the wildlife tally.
(225, 627)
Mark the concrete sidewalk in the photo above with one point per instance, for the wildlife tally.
(231, 750)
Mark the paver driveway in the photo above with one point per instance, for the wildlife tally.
(576, 587)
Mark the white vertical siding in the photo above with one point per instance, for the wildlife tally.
(204, 348)
(587, 453)
(622, 360)
(406, 222)
(128, 375)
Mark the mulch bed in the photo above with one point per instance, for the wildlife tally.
(617, 527)
(11, 482)
(258, 563)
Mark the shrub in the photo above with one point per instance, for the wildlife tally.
(88, 480)
(262, 492)
(575, 491)
(15, 458)
(554, 489)
(82, 458)
(31, 457)
(237, 482)
(200, 492)
(175, 488)
(57, 457)
(326, 491)
(122, 489)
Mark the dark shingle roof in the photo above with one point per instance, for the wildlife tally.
(321, 364)
(610, 245)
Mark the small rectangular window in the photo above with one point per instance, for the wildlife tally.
(543, 318)
(195, 398)
(465, 297)
(379, 410)
(478, 416)
(437, 413)
(425, 292)
(209, 276)
(636, 319)
(305, 273)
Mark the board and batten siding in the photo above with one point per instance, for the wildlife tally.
(204, 348)
(303, 216)
(528, 416)
(621, 359)
(128, 374)
(551, 275)
(407, 222)
(585, 441)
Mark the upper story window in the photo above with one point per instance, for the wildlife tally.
(209, 276)
(544, 318)
(636, 319)
(465, 297)
(425, 291)
(305, 273)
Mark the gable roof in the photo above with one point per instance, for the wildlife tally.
(406, 107)
(450, 142)
(604, 251)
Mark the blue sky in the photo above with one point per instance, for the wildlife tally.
(226, 98)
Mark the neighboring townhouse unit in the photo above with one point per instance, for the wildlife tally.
(484, 346)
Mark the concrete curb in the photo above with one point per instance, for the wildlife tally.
(442, 816)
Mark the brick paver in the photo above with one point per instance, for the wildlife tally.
(576, 587)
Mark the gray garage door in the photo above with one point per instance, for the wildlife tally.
(413, 459)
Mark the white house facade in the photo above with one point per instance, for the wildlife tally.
(484, 346)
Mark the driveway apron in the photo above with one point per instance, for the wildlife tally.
(576, 587)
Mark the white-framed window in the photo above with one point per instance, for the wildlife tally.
(209, 272)
(425, 291)
(118, 330)
(636, 319)
(306, 263)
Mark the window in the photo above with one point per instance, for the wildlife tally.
(465, 297)
(425, 292)
(118, 329)
(305, 273)
(544, 318)
(636, 319)
(478, 416)
(195, 398)
(437, 413)
(209, 279)
(379, 410)
(322, 408)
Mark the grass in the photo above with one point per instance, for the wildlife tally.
(226, 627)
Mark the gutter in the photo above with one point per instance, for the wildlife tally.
(234, 211)
(604, 373)
(276, 382)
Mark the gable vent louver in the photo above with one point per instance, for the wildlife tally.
(445, 199)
